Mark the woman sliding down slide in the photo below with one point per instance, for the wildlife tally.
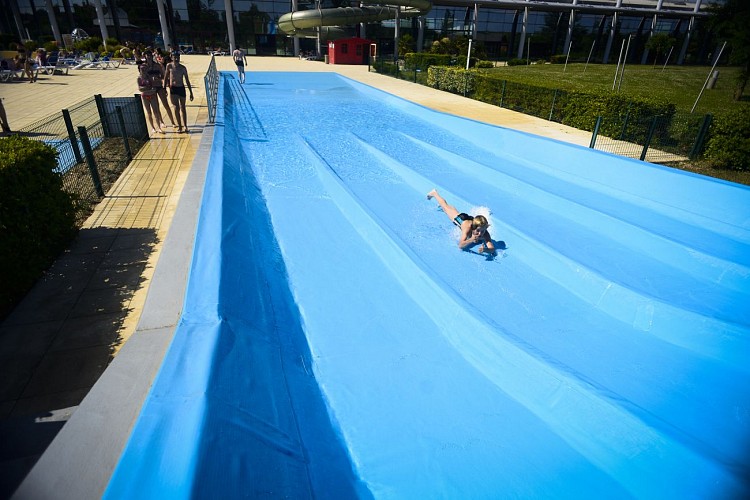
(473, 229)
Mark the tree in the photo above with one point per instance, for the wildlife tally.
(659, 43)
(731, 21)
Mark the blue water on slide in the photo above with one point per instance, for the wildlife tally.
(335, 342)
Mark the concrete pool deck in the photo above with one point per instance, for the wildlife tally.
(83, 323)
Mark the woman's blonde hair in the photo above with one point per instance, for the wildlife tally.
(479, 220)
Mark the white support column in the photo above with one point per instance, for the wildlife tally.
(686, 42)
(522, 42)
(102, 23)
(571, 22)
(421, 21)
(476, 20)
(396, 33)
(163, 23)
(644, 58)
(53, 23)
(611, 36)
(296, 38)
(230, 24)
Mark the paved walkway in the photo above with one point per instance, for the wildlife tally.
(58, 341)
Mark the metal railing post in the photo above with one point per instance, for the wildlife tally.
(552, 110)
(90, 161)
(648, 137)
(596, 131)
(102, 114)
(625, 124)
(502, 93)
(701, 138)
(121, 120)
(72, 135)
(142, 117)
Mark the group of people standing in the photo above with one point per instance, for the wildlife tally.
(155, 75)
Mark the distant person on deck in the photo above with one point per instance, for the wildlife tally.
(473, 228)
(240, 60)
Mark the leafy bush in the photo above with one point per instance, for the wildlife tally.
(50, 47)
(516, 62)
(451, 79)
(424, 60)
(37, 218)
(484, 64)
(577, 109)
(90, 44)
(729, 142)
(558, 59)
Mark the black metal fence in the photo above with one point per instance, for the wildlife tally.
(95, 140)
(656, 138)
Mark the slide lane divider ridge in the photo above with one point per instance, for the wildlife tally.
(644, 461)
(706, 336)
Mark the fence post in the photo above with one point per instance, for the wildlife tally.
(121, 120)
(596, 131)
(647, 142)
(701, 138)
(72, 135)
(625, 124)
(142, 115)
(90, 160)
(552, 110)
(102, 114)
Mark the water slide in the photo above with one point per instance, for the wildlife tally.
(335, 343)
(302, 23)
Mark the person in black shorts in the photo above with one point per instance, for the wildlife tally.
(177, 79)
(240, 60)
(473, 228)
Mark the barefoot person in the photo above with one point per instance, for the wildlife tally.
(240, 60)
(156, 71)
(150, 99)
(473, 229)
(177, 78)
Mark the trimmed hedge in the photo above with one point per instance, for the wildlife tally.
(452, 79)
(37, 218)
(576, 109)
(729, 142)
(423, 60)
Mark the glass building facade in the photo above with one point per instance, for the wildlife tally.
(504, 29)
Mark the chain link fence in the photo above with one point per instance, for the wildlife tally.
(95, 140)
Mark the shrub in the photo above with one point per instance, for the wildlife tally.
(37, 218)
(558, 59)
(51, 47)
(424, 60)
(451, 79)
(484, 64)
(729, 142)
(516, 62)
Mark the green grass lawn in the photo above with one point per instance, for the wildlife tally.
(679, 85)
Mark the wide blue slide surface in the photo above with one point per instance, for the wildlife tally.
(336, 343)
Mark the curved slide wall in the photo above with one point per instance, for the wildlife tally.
(335, 343)
(299, 23)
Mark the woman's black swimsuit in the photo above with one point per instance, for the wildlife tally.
(461, 218)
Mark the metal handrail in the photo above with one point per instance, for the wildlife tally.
(211, 81)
